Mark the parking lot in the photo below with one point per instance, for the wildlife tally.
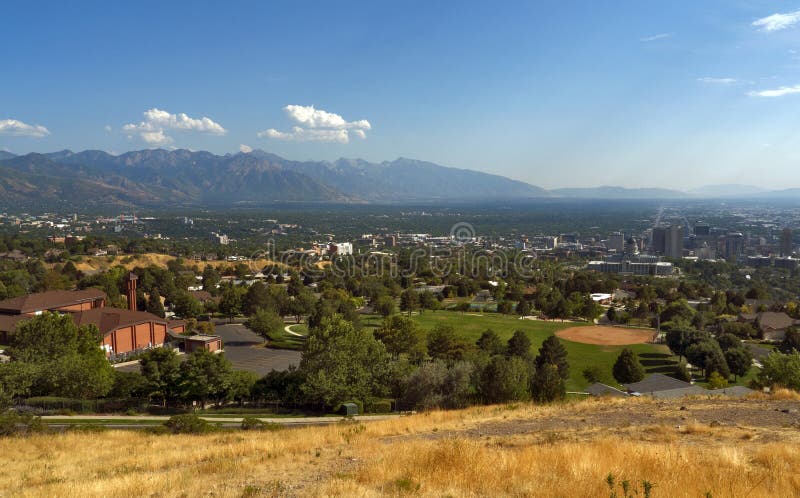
(242, 348)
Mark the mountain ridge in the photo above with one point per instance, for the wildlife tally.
(182, 177)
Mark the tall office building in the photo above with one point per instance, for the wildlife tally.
(786, 242)
(673, 243)
(659, 240)
(701, 229)
(734, 245)
(616, 241)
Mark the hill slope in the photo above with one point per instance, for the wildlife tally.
(684, 448)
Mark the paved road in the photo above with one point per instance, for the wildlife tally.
(242, 348)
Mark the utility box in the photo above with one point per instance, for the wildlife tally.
(349, 409)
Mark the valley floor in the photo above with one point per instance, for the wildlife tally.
(684, 448)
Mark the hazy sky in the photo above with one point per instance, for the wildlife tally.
(555, 93)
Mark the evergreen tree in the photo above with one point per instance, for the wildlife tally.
(547, 384)
(490, 343)
(519, 345)
(553, 352)
(154, 304)
(523, 308)
(409, 301)
(627, 368)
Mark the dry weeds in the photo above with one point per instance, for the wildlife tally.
(522, 450)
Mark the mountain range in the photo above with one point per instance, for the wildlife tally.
(164, 178)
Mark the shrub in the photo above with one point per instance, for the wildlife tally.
(254, 424)
(379, 406)
(717, 381)
(13, 423)
(188, 424)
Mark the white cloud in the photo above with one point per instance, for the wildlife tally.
(317, 125)
(659, 36)
(156, 122)
(718, 81)
(108, 128)
(777, 22)
(778, 92)
(245, 148)
(299, 134)
(20, 129)
(310, 117)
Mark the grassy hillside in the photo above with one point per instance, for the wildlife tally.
(684, 448)
(103, 263)
(655, 358)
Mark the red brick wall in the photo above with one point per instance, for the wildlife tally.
(143, 338)
(124, 339)
(159, 334)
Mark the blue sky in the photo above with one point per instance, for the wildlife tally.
(605, 92)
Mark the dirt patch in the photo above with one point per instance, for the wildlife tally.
(606, 336)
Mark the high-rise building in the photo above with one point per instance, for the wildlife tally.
(786, 242)
(734, 245)
(701, 229)
(659, 240)
(673, 243)
(616, 241)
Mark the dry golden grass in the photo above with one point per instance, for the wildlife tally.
(482, 451)
(95, 263)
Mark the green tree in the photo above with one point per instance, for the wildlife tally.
(301, 304)
(679, 339)
(161, 368)
(445, 345)
(519, 345)
(231, 303)
(717, 381)
(780, 369)
(791, 341)
(240, 386)
(490, 343)
(627, 368)
(409, 301)
(186, 306)
(504, 307)
(384, 305)
(16, 380)
(739, 361)
(401, 335)
(66, 359)
(257, 297)
(523, 308)
(205, 376)
(266, 323)
(342, 362)
(707, 355)
(553, 352)
(505, 379)
(154, 304)
(211, 278)
(547, 384)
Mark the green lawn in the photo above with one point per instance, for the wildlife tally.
(655, 358)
